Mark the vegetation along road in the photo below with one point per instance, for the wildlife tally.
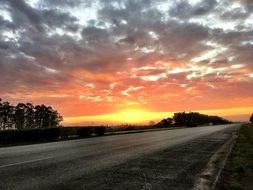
(151, 160)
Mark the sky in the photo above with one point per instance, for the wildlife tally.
(128, 61)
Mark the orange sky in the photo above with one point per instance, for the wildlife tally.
(136, 116)
(128, 62)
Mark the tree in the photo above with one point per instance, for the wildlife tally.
(6, 115)
(46, 116)
(26, 115)
(192, 119)
(29, 116)
(216, 120)
(165, 122)
(251, 118)
(19, 116)
(180, 118)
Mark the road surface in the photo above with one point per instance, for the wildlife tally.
(76, 164)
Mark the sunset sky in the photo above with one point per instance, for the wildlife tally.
(128, 61)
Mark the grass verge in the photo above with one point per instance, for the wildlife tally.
(238, 172)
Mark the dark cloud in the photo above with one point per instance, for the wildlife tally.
(95, 35)
(235, 14)
(31, 14)
(204, 7)
(6, 25)
(184, 9)
(56, 43)
(65, 3)
(54, 18)
(248, 4)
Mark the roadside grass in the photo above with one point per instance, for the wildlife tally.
(238, 173)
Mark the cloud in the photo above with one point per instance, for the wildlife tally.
(185, 9)
(157, 54)
(65, 3)
(57, 19)
(21, 7)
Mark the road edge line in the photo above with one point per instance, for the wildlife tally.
(24, 162)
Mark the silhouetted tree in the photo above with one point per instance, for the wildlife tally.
(6, 115)
(24, 116)
(216, 120)
(194, 119)
(180, 118)
(165, 122)
(251, 118)
(46, 116)
(27, 116)
(19, 116)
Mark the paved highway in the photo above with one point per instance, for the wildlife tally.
(56, 164)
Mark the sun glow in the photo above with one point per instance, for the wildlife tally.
(140, 116)
(135, 116)
(129, 116)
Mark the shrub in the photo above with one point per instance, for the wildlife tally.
(99, 130)
(130, 128)
(84, 131)
(251, 118)
(165, 123)
(47, 134)
(51, 133)
(66, 132)
(29, 135)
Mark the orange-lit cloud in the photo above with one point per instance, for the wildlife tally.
(91, 60)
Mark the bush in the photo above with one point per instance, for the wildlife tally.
(192, 125)
(99, 130)
(251, 118)
(165, 123)
(84, 131)
(29, 135)
(50, 133)
(47, 134)
(193, 119)
(66, 132)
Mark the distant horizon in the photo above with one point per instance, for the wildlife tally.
(152, 117)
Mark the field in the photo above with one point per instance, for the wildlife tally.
(238, 172)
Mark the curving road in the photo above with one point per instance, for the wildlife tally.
(58, 164)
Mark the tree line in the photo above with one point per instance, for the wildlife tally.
(26, 115)
(191, 119)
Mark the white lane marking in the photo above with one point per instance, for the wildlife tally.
(25, 162)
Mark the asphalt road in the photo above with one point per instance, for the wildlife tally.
(56, 165)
